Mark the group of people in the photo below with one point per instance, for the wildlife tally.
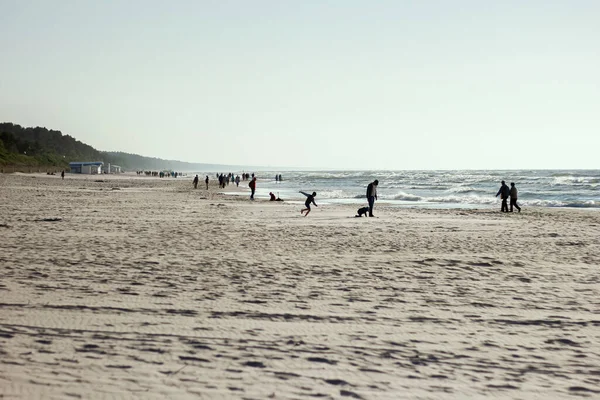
(196, 180)
(225, 179)
(505, 193)
(371, 197)
(160, 174)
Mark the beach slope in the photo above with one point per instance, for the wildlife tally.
(127, 287)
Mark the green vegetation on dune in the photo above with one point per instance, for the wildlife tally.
(41, 147)
(16, 152)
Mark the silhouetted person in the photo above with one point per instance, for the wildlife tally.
(272, 196)
(62, 174)
(252, 186)
(504, 192)
(206, 180)
(196, 182)
(310, 198)
(513, 197)
(372, 195)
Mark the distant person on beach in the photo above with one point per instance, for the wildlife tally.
(310, 198)
(196, 182)
(62, 175)
(252, 186)
(513, 197)
(272, 196)
(237, 181)
(372, 195)
(206, 180)
(504, 192)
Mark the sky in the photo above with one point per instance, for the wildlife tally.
(342, 84)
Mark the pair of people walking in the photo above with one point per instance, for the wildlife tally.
(505, 193)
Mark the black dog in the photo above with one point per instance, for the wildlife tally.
(362, 211)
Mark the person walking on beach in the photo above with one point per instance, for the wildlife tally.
(196, 182)
(310, 198)
(252, 185)
(372, 195)
(206, 181)
(504, 192)
(513, 197)
(62, 175)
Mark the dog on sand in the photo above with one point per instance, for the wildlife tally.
(362, 211)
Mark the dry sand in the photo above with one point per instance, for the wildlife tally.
(145, 288)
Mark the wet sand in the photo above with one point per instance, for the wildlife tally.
(146, 288)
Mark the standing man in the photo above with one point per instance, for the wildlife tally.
(504, 192)
(196, 182)
(206, 180)
(252, 185)
(372, 195)
(62, 174)
(513, 197)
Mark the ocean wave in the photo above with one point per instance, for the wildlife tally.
(462, 200)
(331, 194)
(421, 187)
(465, 189)
(562, 203)
(401, 196)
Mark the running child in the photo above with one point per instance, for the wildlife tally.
(310, 198)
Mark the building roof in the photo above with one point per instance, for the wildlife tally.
(83, 163)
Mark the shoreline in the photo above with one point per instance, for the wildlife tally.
(290, 194)
(231, 192)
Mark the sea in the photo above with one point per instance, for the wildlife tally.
(435, 189)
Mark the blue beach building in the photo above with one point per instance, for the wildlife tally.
(87, 167)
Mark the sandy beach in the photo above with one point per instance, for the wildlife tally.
(132, 287)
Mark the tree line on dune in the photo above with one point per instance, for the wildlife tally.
(20, 146)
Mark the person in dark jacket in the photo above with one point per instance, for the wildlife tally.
(504, 192)
(252, 186)
(372, 195)
(196, 181)
(513, 197)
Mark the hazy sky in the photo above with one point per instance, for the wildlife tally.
(325, 84)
